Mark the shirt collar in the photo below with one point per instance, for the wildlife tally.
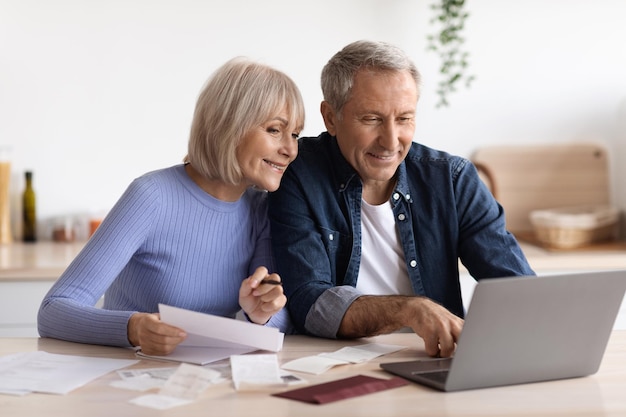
(346, 174)
(402, 186)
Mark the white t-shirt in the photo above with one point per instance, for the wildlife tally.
(383, 269)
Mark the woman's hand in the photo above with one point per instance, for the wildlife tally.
(152, 335)
(259, 300)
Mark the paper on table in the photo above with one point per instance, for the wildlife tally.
(362, 353)
(313, 364)
(211, 338)
(254, 372)
(199, 355)
(189, 381)
(322, 362)
(53, 373)
(159, 402)
(182, 387)
(142, 379)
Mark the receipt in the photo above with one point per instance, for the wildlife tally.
(351, 354)
(253, 372)
(188, 381)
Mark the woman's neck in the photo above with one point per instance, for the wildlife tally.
(216, 188)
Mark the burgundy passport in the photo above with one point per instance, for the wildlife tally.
(342, 389)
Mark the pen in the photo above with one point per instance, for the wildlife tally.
(271, 282)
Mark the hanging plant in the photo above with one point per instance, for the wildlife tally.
(447, 42)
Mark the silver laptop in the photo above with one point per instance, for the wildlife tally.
(527, 329)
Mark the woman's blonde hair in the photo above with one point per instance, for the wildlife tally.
(239, 96)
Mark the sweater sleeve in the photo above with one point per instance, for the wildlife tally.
(69, 309)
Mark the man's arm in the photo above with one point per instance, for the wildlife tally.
(373, 315)
(486, 248)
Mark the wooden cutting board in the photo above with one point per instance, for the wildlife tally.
(526, 178)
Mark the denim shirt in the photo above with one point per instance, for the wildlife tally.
(443, 212)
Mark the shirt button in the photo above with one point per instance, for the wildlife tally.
(396, 196)
(408, 196)
(331, 237)
(413, 263)
(401, 216)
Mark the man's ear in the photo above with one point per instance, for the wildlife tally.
(328, 114)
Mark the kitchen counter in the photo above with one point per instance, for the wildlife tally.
(41, 261)
(606, 256)
(45, 261)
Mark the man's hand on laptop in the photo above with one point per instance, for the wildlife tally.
(371, 315)
(438, 327)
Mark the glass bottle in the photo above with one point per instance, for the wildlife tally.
(30, 219)
(5, 196)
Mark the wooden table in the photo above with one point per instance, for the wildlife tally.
(599, 394)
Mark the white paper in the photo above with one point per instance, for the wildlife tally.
(153, 373)
(140, 383)
(143, 379)
(159, 402)
(5, 362)
(312, 364)
(52, 373)
(199, 355)
(211, 338)
(252, 372)
(380, 348)
(189, 381)
(362, 353)
(182, 387)
(209, 330)
(322, 362)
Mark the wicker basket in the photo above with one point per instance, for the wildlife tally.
(573, 227)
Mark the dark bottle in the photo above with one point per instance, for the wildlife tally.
(28, 208)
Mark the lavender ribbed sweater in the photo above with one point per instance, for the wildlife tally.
(165, 241)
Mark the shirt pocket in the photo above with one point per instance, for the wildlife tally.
(338, 248)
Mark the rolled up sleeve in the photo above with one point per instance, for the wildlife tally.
(326, 314)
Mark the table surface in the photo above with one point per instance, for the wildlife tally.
(601, 394)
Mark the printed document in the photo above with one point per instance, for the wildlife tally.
(50, 373)
(212, 338)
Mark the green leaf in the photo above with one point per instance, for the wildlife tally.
(446, 42)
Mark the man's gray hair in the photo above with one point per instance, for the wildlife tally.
(338, 74)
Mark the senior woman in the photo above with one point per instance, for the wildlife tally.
(194, 235)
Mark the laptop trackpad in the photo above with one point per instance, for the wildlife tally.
(426, 366)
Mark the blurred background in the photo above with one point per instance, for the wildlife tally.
(95, 93)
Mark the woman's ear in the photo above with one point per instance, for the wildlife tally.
(328, 114)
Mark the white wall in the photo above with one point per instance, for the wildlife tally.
(95, 93)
